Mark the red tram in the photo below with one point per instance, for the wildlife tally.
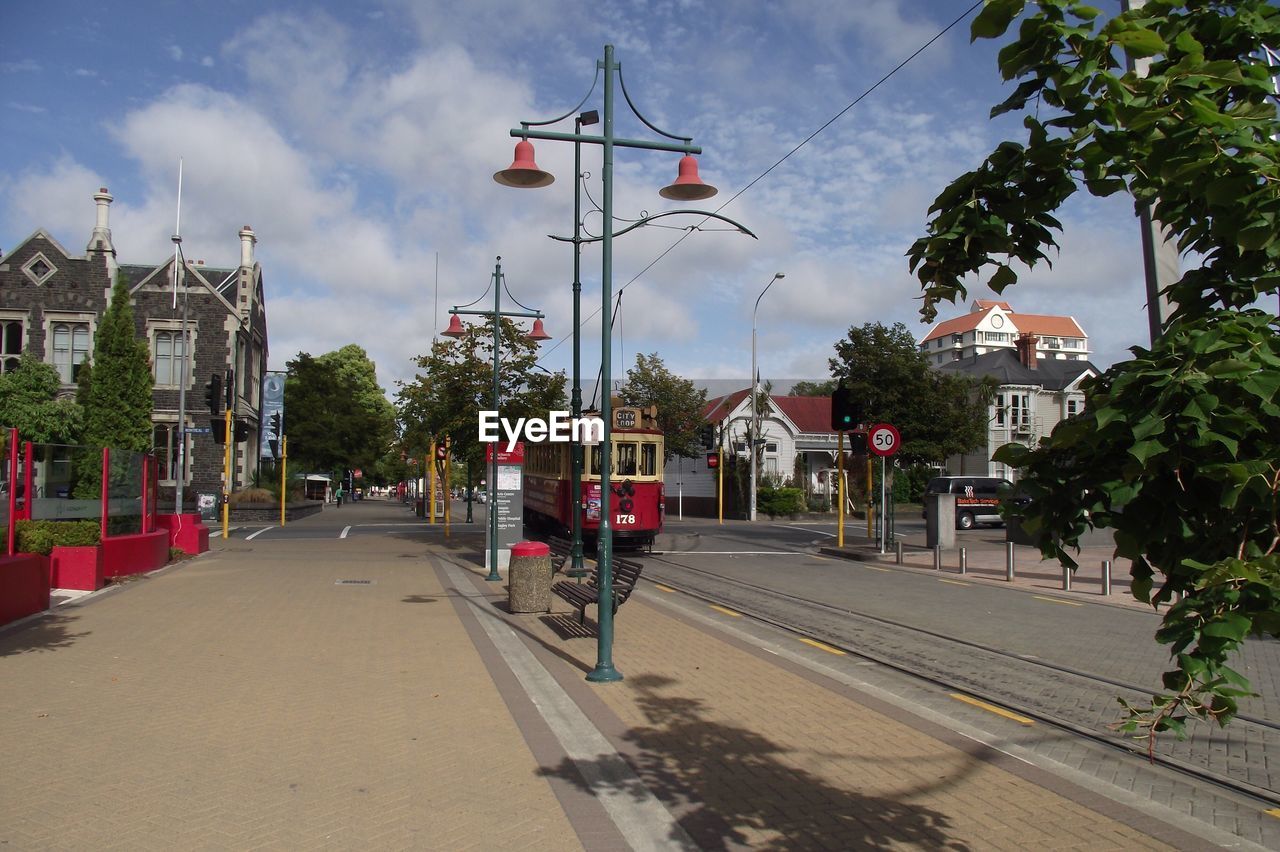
(638, 503)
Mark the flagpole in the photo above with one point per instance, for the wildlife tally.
(179, 277)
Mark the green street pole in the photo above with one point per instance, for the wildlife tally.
(494, 576)
(575, 489)
(604, 671)
(525, 174)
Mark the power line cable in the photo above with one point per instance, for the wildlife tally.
(784, 158)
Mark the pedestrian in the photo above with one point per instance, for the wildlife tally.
(337, 495)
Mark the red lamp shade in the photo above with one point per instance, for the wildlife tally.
(524, 173)
(539, 333)
(455, 328)
(688, 186)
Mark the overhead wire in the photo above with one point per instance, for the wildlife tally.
(921, 49)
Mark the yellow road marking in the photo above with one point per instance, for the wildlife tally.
(726, 611)
(875, 568)
(663, 588)
(1057, 601)
(819, 558)
(991, 708)
(1275, 812)
(954, 582)
(822, 646)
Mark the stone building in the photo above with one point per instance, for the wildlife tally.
(51, 302)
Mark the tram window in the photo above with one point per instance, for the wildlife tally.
(593, 468)
(626, 459)
(648, 459)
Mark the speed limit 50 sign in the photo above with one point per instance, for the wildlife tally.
(883, 439)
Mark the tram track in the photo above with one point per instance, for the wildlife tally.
(1068, 699)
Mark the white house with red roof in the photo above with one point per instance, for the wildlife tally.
(991, 326)
(789, 426)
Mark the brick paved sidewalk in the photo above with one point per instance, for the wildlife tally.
(243, 700)
(746, 751)
(247, 699)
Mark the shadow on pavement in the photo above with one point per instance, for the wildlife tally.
(45, 634)
(730, 785)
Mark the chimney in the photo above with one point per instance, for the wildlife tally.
(100, 239)
(247, 239)
(1027, 350)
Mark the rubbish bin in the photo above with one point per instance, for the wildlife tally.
(529, 589)
(420, 507)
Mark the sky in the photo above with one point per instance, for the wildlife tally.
(359, 140)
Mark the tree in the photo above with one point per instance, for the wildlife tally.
(337, 416)
(813, 388)
(455, 381)
(937, 414)
(679, 405)
(1178, 450)
(114, 390)
(29, 402)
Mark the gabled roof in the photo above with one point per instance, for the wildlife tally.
(958, 325)
(1005, 366)
(1041, 325)
(41, 233)
(722, 406)
(809, 413)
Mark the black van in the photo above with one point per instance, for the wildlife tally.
(977, 498)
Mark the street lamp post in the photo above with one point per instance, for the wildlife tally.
(755, 418)
(575, 489)
(525, 174)
(455, 330)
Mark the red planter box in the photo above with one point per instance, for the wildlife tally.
(186, 532)
(76, 568)
(24, 586)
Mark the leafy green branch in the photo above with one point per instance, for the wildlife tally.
(1178, 448)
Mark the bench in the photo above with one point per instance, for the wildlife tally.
(581, 595)
(562, 550)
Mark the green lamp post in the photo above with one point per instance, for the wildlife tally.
(525, 174)
(455, 330)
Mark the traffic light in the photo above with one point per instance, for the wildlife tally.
(218, 428)
(275, 424)
(241, 430)
(442, 452)
(846, 414)
(213, 394)
(231, 389)
(709, 435)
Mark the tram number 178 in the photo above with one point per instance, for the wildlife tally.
(624, 519)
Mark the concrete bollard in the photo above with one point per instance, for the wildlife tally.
(964, 561)
(899, 552)
(1066, 578)
(1008, 561)
(937, 557)
(1106, 576)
